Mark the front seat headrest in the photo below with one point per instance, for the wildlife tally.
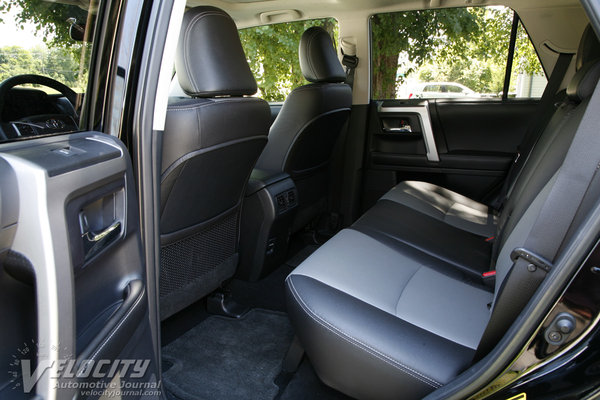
(210, 60)
(587, 66)
(318, 59)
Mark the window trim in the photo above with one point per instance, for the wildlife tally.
(511, 55)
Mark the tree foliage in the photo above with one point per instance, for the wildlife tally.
(465, 45)
(49, 18)
(417, 34)
(57, 63)
(61, 58)
(272, 52)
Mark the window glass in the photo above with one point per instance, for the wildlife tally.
(527, 75)
(451, 53)
(272, 52)
(48, 39)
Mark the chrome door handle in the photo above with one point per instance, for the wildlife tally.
(98, 236)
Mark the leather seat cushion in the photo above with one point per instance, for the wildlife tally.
(445, 205)
(364, 292)
(398, 225)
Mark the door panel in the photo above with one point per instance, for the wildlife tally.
(464, 145)
(77, 245)
(492, 126)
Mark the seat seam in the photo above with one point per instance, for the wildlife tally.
(357, 343)
(404, 288)
(365, 231)
(116, 328)
(209, 103)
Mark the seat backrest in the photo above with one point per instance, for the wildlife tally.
(304, 133)
(534, 183)
(213, 138)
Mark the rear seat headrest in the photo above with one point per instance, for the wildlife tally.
(210, 60)
(587, 66)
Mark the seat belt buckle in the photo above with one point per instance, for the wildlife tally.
(489, 278)
(533, 259)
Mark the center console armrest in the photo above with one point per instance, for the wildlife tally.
(266, 224)
(261, 178)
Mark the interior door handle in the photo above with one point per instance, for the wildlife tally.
(94, 242)
(398, 130)
(98, 236)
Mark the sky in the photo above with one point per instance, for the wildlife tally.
(11, 35)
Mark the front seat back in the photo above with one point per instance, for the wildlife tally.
(211, 142)
(303, 136)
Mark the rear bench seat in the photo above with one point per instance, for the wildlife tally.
(395, 306)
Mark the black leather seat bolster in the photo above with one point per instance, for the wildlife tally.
(397, 224)
(361, 348)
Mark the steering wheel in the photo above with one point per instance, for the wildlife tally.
(17, 80)
(36, 124)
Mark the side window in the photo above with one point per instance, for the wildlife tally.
(451, 53)
(272, 52)
(45, 50)
(455, 89)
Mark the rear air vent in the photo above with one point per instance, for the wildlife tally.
(291, 195)
(286, 200)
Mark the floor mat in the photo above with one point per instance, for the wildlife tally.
(224, 358)
(302, 255)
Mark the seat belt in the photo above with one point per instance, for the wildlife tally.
(538, 124)
(349, 60)
(532, 262)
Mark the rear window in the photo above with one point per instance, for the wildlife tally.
(462, 51)
(272, 52)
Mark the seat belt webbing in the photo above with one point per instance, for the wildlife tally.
(532, 263)
(350, 62)
(536, 127)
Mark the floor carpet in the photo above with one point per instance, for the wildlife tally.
(224, 358)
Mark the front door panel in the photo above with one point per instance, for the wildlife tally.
(76, 245)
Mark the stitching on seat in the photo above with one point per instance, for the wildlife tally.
(116, 328)
(212, 102)
(363, 346)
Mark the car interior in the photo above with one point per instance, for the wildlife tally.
(398, 303)
(335, 242)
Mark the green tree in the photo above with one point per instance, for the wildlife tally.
(49, 18)
(272, 52)
(466, 45)
(56, 63)
(420, 35)
(15, 60)
(62, 58)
